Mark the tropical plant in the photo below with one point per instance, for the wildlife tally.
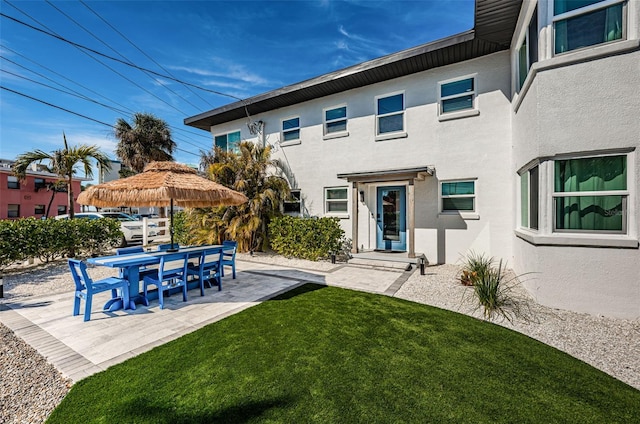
(146, 139)
(63, 163)
(251, 171)
(493, 288)
(474, 265)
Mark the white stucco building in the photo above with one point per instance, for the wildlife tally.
(517, 138)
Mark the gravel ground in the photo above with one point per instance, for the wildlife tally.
(30, 388)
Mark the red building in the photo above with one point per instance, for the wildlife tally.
(32, 196)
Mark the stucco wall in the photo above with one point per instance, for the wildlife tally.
(586, 107)
(472, 147)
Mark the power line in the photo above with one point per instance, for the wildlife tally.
(80, 46)
(74, 113)
(82, 96)
(53, 34)
(61, 76)
(62, 91)
(142, 51)
(115, 51)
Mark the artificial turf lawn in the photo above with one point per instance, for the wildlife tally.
(330, 355)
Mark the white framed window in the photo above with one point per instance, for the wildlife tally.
(529, 197)
(590, 194)
(335, 120)
(585, 23)
(293, 205)
(13, 211)
(390, 114)
(336, 201)
(457, 95)
(290, 130)
(458, 196)
(13, 183)
(228, 142)
(528, 50)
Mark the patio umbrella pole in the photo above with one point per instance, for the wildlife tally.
(172, 249)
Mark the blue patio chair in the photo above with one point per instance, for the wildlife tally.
(209, 268)
(131, 250)
(171, 273)
(86, 287)
(229, 248)
(168, 246)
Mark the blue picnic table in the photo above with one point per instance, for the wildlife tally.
(131, 264)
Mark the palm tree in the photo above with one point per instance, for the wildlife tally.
(147, 139)
(63, 162)
(251, 172)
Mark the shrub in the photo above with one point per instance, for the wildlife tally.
(305, 238)
(49, 239)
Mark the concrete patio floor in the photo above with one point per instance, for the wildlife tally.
(78, 349)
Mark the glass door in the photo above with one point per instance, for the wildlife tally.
(391, 218)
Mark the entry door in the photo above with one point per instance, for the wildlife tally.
(392, 218)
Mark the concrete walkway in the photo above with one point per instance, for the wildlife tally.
(78, 349)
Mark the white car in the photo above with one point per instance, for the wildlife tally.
(131, 228)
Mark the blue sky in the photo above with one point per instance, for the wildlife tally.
(239, 48)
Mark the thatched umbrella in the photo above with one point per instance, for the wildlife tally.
(162, 184)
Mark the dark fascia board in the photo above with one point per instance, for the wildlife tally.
(206, 120)
(494, 24)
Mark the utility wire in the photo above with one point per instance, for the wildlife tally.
(61, 76)
(118, 53)
(83, 50)
(63, 91)
(75, 113)
(83, 97)
(143, 52)
(80, 46)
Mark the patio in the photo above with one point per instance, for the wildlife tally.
(78, 349)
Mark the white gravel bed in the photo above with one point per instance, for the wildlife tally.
(611, 345)
(30, 388)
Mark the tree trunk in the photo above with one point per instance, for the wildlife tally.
(53, 195)
(71, 211)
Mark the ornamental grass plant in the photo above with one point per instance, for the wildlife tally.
(493, 288)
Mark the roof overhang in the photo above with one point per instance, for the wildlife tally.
(418, 173)
(495, 21)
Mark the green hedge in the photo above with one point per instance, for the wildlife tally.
(49, 239)
(305, 238)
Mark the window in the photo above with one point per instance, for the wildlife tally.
(293, 206)
(13, 211)
(528, 51)
(336, 200)
(38, 210)
(291, 129)
(62, 209)
(590, 194)
(457, 95)
(13, 183)
(458, 196)
(229, 142)
(39, 183)
(335, 120)
(586, 23)
(390, 114)
(529, 184)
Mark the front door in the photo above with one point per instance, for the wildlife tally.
(392, 218)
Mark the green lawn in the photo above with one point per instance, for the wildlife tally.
(329, 355)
